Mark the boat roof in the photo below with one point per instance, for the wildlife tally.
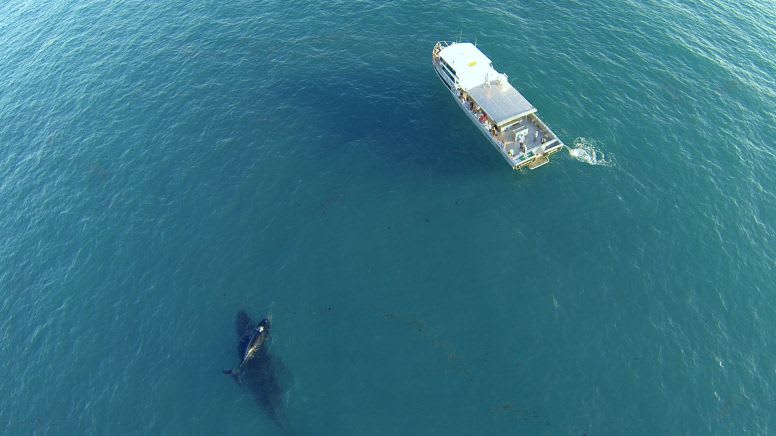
(501, 101)
(470, 65)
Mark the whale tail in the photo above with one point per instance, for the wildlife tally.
(234, 373)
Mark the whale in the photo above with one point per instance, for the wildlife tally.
(256, 338)
(260, 372)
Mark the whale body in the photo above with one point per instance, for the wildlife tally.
(257, 337)
(259, 371)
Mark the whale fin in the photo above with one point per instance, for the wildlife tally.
(234, 373)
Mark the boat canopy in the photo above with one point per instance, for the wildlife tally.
(469, 64)
(501, 102)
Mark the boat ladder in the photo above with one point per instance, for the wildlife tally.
(538, 161)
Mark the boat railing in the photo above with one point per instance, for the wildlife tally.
(438, 48)
(441, 45)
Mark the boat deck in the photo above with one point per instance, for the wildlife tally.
(535, 138)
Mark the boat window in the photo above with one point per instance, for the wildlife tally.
(513, 124)
(446, 65)
(449, 75)
(444, 81)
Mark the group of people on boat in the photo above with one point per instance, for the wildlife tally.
(437, 49)
(483, 118)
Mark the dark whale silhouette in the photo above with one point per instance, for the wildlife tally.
(260, 372)
(256, 339)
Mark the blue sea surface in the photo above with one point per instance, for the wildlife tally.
(166, 164)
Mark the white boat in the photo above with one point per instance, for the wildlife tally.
(503, 115)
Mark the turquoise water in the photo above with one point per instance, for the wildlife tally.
(164, 165)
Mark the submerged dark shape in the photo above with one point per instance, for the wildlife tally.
(259, 371)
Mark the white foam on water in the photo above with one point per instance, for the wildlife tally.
(588, 151)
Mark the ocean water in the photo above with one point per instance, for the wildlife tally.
(166, 164)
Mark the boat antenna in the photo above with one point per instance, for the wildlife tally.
(475, 39)
(460, 35)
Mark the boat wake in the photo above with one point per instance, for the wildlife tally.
(588, 151)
